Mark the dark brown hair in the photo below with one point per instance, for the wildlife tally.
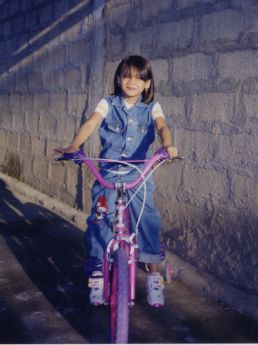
(144, 69)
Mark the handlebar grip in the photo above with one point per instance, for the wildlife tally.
(162, 153)
(76, 157)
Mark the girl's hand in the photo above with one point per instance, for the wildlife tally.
(68, 149)
(172, 151)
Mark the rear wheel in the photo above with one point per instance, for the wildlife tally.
(120, 298)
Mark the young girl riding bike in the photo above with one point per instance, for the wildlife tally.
(128, 120)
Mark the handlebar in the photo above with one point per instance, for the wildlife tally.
(79, 157)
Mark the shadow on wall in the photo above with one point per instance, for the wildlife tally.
(51, 29)
(12, 165)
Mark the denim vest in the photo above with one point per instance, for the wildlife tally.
(127, 133)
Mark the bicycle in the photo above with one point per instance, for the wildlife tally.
(120, 258)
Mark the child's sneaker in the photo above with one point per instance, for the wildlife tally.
(155, 287)
(96, 285)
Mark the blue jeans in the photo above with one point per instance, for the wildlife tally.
(99, 231)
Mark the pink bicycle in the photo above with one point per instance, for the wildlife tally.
(120, 258)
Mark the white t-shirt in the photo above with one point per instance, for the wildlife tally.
(102, 108)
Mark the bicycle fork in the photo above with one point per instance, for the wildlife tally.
(122, 239)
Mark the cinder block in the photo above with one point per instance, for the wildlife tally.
(198, 146)
(143, 45)
(71, 78)
(115, 46)
(19, 121)
(46, 13)
(66, 127)
(18, 24)
(174, 109)
(58, 103)
(4, 102)
(32, 121)
(41, 102)
(40, 167)
(27, 103)
(78, 51)
(15, 102)
(22, 82)
(213, 107)
(14, 7)
(7, 28)
(25, 5)
(216, 26)
(41, 59)
(216, 183)
(192, 67)
(13, 140)
(56, 173)
(7, 83)
(152, 10)
(250, 103)
(2, 139)
(77, 104)
(119, 16)
(57, 56)
(60, 8)
(245, 194)
(47, 125)
(7, 120)
(51, 80)
(173, 35)
(160, 70)
(39, 145)
(31, 17)
(109, 76)
(238, 151)
(25, 142)
(36, 81)
(71, 33)
(238, 65)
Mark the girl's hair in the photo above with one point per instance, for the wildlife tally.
(144, 69)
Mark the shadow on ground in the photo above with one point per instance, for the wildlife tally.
(52, 254)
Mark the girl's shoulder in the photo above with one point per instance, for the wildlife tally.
(110, 98)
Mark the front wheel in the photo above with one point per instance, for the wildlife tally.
(120, 299)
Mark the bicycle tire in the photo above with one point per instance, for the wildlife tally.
(120, 298)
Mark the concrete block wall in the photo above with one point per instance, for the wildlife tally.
(58, 59)
(204, 56)
(47, 66)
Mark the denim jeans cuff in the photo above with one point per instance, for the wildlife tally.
(149, 258)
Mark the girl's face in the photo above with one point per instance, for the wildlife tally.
(132, 85)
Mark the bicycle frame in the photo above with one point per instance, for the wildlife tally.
(123, 237)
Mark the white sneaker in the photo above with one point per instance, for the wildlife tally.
(155, 287)
(96, 285)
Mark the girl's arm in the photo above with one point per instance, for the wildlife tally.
(84, 132)
(165, 137)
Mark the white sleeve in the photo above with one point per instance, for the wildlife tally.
(102, 108)
(157, 111)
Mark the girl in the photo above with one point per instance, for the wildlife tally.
(128, 120)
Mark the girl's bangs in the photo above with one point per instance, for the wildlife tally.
(126, 71)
